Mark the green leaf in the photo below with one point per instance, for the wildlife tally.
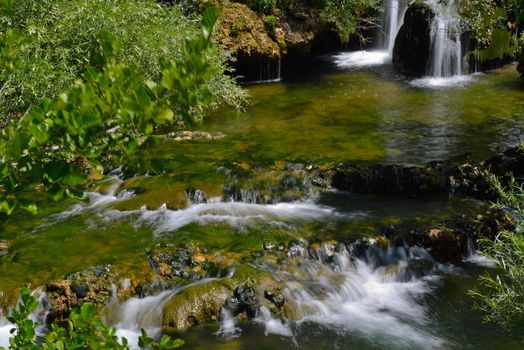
(56, 170)
(28, 205)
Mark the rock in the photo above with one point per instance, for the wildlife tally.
(80, 289)
(412, 44)
(247, 300)
(61, 299)
(4, 247)
(196, 304)
(276, 297)
(196, 196)
(445, 244)
(244, 34)
(391, 179)
(194, 135)
(493, 221)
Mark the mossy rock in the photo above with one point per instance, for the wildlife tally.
(244, 33)
(194, 305)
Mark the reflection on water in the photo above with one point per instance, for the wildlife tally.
(363, 115)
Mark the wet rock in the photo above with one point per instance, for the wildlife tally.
(194, 135)
(297, 249)
(4, 247)
(61, 299)
(445, 244)
(91, 285)
(196, 196)
(471, 181)
(171, 264)
(196, 304)
(248, 300)
(494, 221)
(80, 289)
(392, 179)
(412, 44)
(276, 297)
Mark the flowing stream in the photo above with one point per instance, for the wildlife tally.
(347, 297)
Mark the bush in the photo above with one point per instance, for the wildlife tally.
(271, 22)
(263, 6)
(347, 15)
(61, 42)
(85, 330)
(501, 295)
(103, 116)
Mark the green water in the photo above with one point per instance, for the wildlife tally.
(326, 116)
(361, 116)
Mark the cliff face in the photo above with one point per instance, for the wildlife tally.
(295, 30)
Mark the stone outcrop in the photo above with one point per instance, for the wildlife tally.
(243, 33)
(457, 177)
(412, 44)
(298, 30)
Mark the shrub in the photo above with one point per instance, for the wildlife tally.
(347, 15)
(501, 294)
(102, 116)
(271, 22)
(61, 42)
(85, 330)
(263, 6)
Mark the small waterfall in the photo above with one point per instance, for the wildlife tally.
(446, 58)
(392, 18)
(270, 71)
(264, 70)
(227, 329)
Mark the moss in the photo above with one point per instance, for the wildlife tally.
(499, 47)
(196, 304)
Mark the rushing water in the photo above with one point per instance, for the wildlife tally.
(397, 299)
(446, 48)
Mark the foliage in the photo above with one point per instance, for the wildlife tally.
(61, 41)
(350, 16)
(271, 22)
(263, 6)
(101, 117)
(501, 296)
(84, 330)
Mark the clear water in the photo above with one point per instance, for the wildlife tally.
(329, 115)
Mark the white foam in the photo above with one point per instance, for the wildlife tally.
(362, 59)
(5, 333)
(443, 82)
(481, 260)
(375, 303)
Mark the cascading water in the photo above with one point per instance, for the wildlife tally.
(446, 66)
(446, 47)
(391, 21)
(393, 14)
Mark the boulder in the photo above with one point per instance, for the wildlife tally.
(243, 33)
(194, 305)
(412, 44)
(445, 244)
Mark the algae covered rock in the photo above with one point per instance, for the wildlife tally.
(194, 305)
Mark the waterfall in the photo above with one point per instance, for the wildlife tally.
(270, 71)
(446, 48)
(392, 19)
